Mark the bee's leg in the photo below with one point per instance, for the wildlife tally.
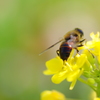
(64, 62)
(82, 40)
(86, 48)
(57, 52)
(77, 50)
(80, 45)
(91, 53)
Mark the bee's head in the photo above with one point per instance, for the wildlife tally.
(80, 31)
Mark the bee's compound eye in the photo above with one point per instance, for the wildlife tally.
(80, 31)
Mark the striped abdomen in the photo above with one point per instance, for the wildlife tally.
(64, 51)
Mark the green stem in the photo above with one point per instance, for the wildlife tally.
(85, 82)
(98, 90)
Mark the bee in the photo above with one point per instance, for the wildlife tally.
(71, 40)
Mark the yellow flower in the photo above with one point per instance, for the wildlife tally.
(95, 45)
(95, 39)
(86, 64)
(71, 70)
(52, 95)
(96, 98)
(93, 96)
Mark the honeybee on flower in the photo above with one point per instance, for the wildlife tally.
(86, 64)
(71, 40)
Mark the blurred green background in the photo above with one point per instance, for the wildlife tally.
(27, 27)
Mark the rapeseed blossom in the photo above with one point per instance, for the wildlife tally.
(70, 71)
(52, 95)
(56, 95)
(96, 98)
(86, 64)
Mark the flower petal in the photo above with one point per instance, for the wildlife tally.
(72, 84)
(73, 75)
(48, 72)
(52, 95)
(81, 60)
(59, 77)
(54, 64)
(92, 35)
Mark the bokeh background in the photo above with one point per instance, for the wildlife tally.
(27, 27)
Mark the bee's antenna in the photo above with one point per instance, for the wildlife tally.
(50, 47)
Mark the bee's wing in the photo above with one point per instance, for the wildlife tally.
(51, 46)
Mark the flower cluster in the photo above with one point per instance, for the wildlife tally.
(56, 95)
(86, 64)
(71, 70)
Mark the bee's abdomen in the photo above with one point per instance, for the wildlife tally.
(64, 51)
